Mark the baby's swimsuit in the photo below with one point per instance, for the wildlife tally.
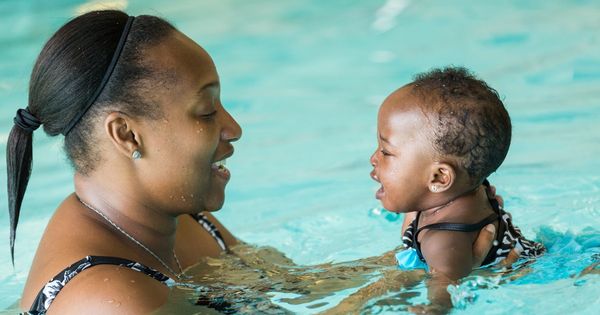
(48, 293)
(508, 237)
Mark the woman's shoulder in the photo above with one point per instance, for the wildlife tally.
(110, 289)
(69, 239)
(101, 283)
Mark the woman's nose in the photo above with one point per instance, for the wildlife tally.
(231, 129)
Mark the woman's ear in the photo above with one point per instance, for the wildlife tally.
(441, 178)
(122, 134)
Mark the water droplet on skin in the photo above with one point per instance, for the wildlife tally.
(191, 195)
(132, 281)
(118, 304)
(105, 279)
(110, 301)
(182, 198)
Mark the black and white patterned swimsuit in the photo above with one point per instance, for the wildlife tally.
(508, 237)
(49, 292)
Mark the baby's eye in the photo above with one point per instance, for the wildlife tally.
(385, 153)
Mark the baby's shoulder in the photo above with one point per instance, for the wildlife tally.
(448, 252)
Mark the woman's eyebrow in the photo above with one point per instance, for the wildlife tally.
(209, 85)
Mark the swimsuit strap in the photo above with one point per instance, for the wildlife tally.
(505, 236)
(447, 226)
(460, 227)
(48, 293)
(211, 229)
(415, 243)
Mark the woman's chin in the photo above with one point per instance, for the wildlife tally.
(214, 205)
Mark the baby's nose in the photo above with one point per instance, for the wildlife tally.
(373, 159)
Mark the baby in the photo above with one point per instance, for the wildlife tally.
(439, 138)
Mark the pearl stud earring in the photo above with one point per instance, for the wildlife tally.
(136, 155)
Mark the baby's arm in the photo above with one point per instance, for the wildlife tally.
(450, 258)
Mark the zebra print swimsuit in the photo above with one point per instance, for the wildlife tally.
(48, 293)
(508, 237)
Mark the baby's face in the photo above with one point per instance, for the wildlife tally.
(404, 156)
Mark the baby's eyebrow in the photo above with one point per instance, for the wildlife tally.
(384, 139)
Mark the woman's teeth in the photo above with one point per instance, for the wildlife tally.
(219, 165)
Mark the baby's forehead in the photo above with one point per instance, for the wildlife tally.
(405, 99)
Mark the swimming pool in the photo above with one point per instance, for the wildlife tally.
(305, 78)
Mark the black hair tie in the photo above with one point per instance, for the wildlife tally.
(105, 79)
(26, 121)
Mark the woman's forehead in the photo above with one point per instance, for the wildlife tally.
(185, 59)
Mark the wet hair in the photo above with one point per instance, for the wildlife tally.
(467, 117)
(64, 79)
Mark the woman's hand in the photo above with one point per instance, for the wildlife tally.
(487, 235)
(483, 244)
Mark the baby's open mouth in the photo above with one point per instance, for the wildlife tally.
(379, 193)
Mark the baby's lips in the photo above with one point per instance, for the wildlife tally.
(374, 176)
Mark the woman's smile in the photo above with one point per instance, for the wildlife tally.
(220, 170)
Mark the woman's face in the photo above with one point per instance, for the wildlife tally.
(403, 155)
(183, 151)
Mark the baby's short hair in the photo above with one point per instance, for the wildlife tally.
(468, 120)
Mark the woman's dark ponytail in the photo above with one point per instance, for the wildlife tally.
(96, 58)
(18, 165)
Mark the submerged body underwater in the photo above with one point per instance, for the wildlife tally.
(305, 80)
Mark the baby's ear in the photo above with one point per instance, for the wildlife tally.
(441, 177)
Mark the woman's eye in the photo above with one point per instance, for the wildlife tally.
(210, 115)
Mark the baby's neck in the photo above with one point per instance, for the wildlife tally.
(468, 208)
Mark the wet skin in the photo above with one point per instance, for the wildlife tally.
(150, 197)
(414, 177)
(147, 197)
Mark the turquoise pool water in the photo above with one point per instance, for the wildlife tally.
(305, 78)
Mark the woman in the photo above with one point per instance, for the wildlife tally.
(138, 103)
(147, 134)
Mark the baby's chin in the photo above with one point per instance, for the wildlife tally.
(398, 210)
(392, 209)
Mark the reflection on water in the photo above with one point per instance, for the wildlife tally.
(261, 280)
(249, 278)
(252, 280)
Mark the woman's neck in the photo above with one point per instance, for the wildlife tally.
(126, 210)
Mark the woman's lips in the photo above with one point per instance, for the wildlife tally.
(220, 170)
